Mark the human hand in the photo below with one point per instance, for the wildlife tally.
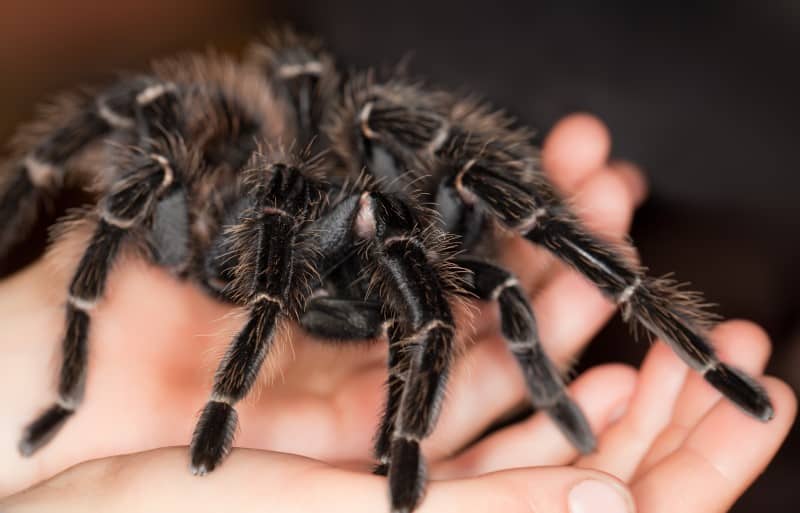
(678, 447)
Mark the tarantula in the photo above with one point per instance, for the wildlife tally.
(205, 162)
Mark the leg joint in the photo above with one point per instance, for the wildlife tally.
(153, 92)
(82, 304)
(113, 119)
(264, 297)
(119, 222)
(508, 283)
(530, 222)
(628, 292)
(313, 68)
(363, 118)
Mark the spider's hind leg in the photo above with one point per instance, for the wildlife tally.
(492, 283)
(272, 274)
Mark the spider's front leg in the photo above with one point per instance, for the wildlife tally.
(415, 289)
(272, 268)
(338, 319)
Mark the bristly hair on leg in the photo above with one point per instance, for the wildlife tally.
(677, 316)
(244, 234)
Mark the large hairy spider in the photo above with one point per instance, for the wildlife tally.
(205, 163)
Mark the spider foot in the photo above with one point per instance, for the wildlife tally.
(743, 390)
(406, 475)
(572, 422)
(41, 430)
(212, 437)
(381, 469)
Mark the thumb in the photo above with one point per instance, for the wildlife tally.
(253, 480)
(533, 490)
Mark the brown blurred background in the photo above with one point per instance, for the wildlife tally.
(703, 95)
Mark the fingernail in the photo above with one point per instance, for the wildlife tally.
(593, 496)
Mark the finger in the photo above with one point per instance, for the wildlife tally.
(720, 458)
(635, 179)
(742, 344)
(576, 147)
(624, 445)
(603, 393)
(605, 204)
(159, 481)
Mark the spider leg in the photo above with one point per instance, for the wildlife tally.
(414, 286)
(270, 269)
(40, 170)
(398, 369)
(666, 311)
(427, 326)
(122, 212)
(490, 282)
(302, 74)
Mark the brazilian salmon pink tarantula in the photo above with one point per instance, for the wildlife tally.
(206, 162)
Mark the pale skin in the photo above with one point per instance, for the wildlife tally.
(667, 442)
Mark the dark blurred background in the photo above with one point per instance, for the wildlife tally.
(702, 95)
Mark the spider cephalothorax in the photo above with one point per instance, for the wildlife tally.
(205, 162)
